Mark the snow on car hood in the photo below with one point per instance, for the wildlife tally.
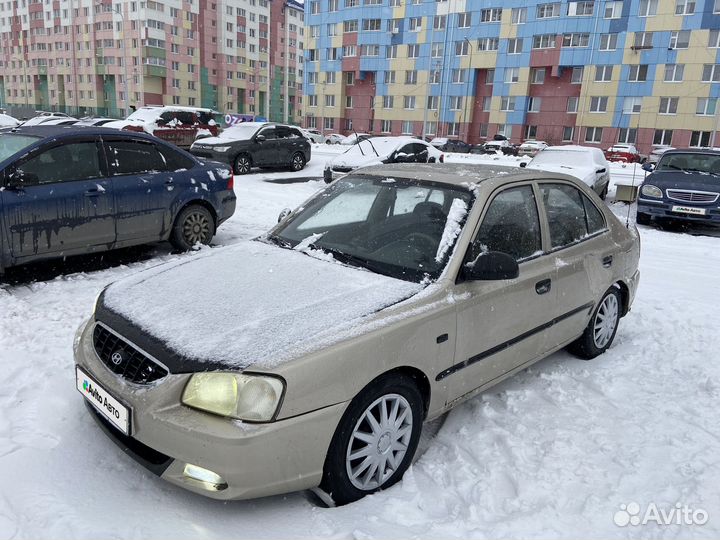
(584, 174)
(252, 304)
(367, 153)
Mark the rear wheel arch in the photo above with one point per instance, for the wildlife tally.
(624, 297)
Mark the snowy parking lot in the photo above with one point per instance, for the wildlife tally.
(552, 452)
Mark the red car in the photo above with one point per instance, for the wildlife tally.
(624, 152)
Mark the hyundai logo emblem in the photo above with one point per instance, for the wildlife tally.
(117, 358)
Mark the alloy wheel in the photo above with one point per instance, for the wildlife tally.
(379, 442)
(298, 162)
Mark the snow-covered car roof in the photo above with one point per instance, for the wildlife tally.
(531, 144)
(8, 121)
(49, 120)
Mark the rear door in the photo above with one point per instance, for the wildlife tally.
(65, 203)
(144, 188)
(503, 324)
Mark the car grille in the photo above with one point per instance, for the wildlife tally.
(124, 359)
(692, 196)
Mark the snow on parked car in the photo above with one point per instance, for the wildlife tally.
(8, 121)
(627, 153)
(585, 163)
(531, 147)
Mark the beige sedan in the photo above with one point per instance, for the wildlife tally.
(312, 356)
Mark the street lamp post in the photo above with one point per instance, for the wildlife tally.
(467, 90)
(118, 11)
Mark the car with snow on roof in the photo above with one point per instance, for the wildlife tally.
(382, 302)
(377, 150)
(67, 191)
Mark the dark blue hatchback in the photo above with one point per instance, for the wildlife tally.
(685, 185)
(68, 190)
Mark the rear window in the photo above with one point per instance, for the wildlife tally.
(134, 157)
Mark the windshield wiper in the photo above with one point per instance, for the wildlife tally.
(277, 241)
(352, 260)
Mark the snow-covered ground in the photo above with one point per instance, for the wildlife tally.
(552, 452)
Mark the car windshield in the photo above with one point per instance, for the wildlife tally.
(562, 157)
(145, 115)
(239, 132)
(402, 228)
(690, 162)
(11, 143)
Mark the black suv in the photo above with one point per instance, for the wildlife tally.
(255, 144)
(685, 185)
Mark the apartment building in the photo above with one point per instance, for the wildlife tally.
(590, 72)
(104, 57)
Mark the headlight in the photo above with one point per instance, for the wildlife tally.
(246, 397)
(651, 191)
(220, 148)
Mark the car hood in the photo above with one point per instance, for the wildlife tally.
(354, 161)
(220, 141)
(253, 304)
(684, 180)
(584, 174)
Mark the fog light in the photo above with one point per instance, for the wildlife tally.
(206, 478)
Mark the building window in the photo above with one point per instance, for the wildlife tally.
(348, 102)
(613, 10)
(386, 126)
(458, 76)
(519, 16)
(648, 8)
(700, 139)
(537, 76)
(711, 73)
(706, 106)
(407, 127)
(455, 103)
(598, 104)
(668, 105)
(413, 51)
(530, 132)
(534, 104)
(627, 135)
(580, 9)
(603, 73)
(714, 41)
(409, 102)
(568, 133)
(453, 129)
(507, 103)
(576, 76)
(515, 45)
(638, 73)
(389, 77)
(546, 11)
(435, 76)
(439, 22)
(632, 105)
(464, 19)
(430, 128)
(684, 7)
(489, 76)
(437, 49)
(415, 24)
(372, 25)
(576, 40)
(608, 42)
(593, 134)
(391, 51)
(411, 77)
(312, 100)
(462, 48)
(716, 7)
(486, 103)
(544, 41)
(643, 40)
(674, 72)
(350, 26)
(490, 15)
(433, 103)
(572, 104)
(512, 75)
(483, 132)
(505, 130)
(663, 137)
(330, 101)
(388, 102)
(680, 39)
(488, 44)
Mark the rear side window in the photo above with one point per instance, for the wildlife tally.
(134, 157)
(175, 160)
(76, 161)
(571, 216)
(511, 225)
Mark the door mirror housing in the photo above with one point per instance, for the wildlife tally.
(284, 213)
(523, 164)
(18, 179)
(491, 266)
(260, 138)
(601, 171)
(647, 166)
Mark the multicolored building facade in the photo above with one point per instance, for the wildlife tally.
(102, 57)
(590, 72)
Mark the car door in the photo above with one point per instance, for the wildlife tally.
(63, 203)
(144, 188)
(265, 152)
(502, 324)
(570, 248)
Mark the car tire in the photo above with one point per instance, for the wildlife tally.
(600, 331)
(387, 447)
(297, 162)
(641, 218)
(242, 164)
(194, 224)
(604, 192)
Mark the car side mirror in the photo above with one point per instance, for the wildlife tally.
(523, 164)
(647, 166)
(492, 266)
(285, 212)
(260, 138)
(19, 179)
(601, 171)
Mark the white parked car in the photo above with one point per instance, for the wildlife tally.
(586, 163)
(334, 138)
(378, 150)
(657, 153)
(313, 135)
(354, 138)
(45, 117)
(531, 147)
(8, 121)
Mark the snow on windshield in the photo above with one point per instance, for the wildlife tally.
(383, 145)
(453, 226)
(563, 157)
(145, 115)
(238, 133)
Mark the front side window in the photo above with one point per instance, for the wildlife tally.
(76, 161)
(571, 215)
(510, 225)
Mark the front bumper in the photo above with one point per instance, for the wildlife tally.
(661, 208)
(254, 460)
